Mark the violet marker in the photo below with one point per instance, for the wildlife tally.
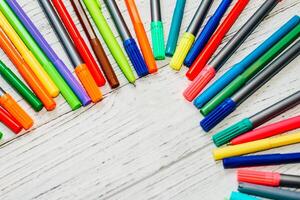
(57, 62)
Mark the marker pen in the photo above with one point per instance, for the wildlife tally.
(9, 104)
(25, 71)
(175, 27)
(20, 87)
(157, 30)
(247, 124)
(209, 70)
(230, 104)
(141, 35)
(95, 44)
(7, 119)
(79, 42)
(215, 41)
(207, 32)
(261, 160)
(240, 67)
(188, 38)
(46, 48)
(94, 8)
(129, 43)
(268, 192)
(257, 66)
(268, 178)
(81, 70)
(256, 146)
(268, 130)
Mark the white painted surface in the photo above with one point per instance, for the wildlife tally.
(140, 142)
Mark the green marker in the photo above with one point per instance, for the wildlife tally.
(20, 87)
(94, 9)
(40, 56)
(1, 135)
(242, 79)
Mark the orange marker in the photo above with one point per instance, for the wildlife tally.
(25, 71)
(141, 36)
(9, 104)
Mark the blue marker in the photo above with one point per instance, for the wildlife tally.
(261, 160)
(207, 32)
(240, 67)
(175, 27)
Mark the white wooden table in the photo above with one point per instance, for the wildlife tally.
(140, 142)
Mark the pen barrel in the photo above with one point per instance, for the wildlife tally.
(199, 83)
(268, 131)
(256, 146)
(158, 43)
(276, 109)
(135, 57)
(289, 181)
(104, 62)
(88, 82)
(182, 50)
(16, 111)
(199, 17)
(241, 196)
(8, 120)
(175, 27)
(20, 87)
(261, 160)
(155, 10)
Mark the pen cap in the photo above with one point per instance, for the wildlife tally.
(136, 57)
(88, 82)
(199, 83)
(7, 119)
(16, 111)
(158, 43)
(182, 50)
(241, 196)
(218, 114)
(257, 177)
(224, 136)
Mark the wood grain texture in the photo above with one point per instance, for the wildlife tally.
(140, 142)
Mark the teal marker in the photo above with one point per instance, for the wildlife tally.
(175, 27)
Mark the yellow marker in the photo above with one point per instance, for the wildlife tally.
(28, 57)
(182, 50)
(255, 146)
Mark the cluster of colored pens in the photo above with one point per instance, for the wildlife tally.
(47, 75)
(266, 185)
(238, 83)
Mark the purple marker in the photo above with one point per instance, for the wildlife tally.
(57, 62)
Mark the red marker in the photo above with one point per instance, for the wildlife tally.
(216, 40)
(7, 119)
(79, 42)
(268, 131)
(268, 178)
